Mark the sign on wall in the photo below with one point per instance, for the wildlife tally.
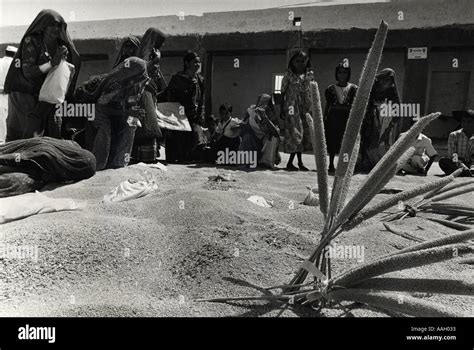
(417, 53)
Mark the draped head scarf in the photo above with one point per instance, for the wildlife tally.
(259, 119)
(129, 48)
(264, 101)
(43, 20)
(391, 93)
(152, 39)
(128, 78)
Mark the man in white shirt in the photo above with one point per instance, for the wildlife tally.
(4, 66)
(227, 135)
(228, 126)
(424, 156)
(228, 129)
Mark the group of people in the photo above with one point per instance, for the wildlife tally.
(125, 126)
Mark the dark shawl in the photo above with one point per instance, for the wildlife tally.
(391, 93)
(124, 53)
(114, 87)
(48, 159)
(152, 39)
(189, 92)
(16, 80)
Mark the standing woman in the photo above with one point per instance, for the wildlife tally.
(187, 88)
(45, 43)
(379, 132)
(339, 98)
(118, 112)
(295, 91)
(148, 136)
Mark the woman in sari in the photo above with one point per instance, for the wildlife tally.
(187, 88)
(339, 98)
(45, 43)
(295, 90)
(118, 112)
(379, 132)
(259, 133)
(148, 136)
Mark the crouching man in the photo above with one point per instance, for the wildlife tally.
(461, 148)
(423, 157)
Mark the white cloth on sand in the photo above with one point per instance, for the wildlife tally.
(260, 201)
(129, 190)
(24, 205)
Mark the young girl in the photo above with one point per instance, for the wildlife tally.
(295, 91)
(339, 98)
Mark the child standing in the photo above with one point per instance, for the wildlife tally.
(295, 91)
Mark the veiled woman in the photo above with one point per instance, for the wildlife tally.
(379, 132)
(259, 133)
(45, 43)
(148, 136)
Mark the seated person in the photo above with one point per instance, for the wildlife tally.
(461, 147)
(227, 133)
(209, 128)
(259, 133)
(424, 156)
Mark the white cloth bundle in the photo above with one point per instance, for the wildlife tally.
(57, 83)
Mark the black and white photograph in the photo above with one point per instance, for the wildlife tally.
(270, 159)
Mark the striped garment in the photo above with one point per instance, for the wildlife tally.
(460, 144)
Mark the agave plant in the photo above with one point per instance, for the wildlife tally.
(431, 203)
(362, 283)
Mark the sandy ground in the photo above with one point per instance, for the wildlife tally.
(153, 256)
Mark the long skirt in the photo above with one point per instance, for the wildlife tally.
(181, 146)
(335, 127)
(251, 143)
(297, 135)
(28, 117)
(149, 134)
(113, 141)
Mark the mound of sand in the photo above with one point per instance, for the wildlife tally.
(190, 239)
